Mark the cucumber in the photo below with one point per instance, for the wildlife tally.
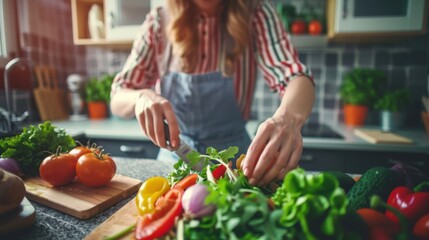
(376, 181)
(346, 181)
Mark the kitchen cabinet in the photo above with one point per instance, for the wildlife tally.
(359, 161)
(366, 20)
(117, 33)
(123, 148)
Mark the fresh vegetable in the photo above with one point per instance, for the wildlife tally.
(58, 169)
(313, 206)
(219, 172)
(404, 233)
(149, 193)
(239, 161)
(12, 192)
(95, 169)
(413, 204)
(346, 181)
(158, 223)
(10, 165)
(376, 181)
(193, 202)
(412, 176)
(187, 182)
(379, 225)
(78, 151)
(315, 27)
(298, 26)
(421, 228)
(34, 144)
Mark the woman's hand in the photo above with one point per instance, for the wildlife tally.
(275, 150)
(151, 109)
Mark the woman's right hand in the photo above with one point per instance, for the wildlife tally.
(151, 109)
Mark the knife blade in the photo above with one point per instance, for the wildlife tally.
(183, 150)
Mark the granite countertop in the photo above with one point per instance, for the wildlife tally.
(119, 129)
(52, 224)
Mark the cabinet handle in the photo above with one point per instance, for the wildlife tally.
(131, 149)
(307, 158)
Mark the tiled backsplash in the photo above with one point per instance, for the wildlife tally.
(405, 62)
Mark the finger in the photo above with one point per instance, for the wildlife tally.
(172, 124)
(159, 129)
(149, 126)
(255, 149)
(141, 120)
(266, 160)
(292, 163)
(280, 162)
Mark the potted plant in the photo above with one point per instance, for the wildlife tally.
(97, 93)
(359, 90)
(391, 106)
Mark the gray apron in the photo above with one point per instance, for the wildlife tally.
(207, 112)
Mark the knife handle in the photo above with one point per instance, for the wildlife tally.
(167, 135)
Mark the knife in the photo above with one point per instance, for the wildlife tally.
(183, 150)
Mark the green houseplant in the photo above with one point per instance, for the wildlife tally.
(359, 90)
(97, 95)
(391, 106)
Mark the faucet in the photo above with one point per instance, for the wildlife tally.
(11, 120)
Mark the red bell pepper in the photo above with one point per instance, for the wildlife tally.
(157, 224)
(187, 181)
(412, 203)
(219, 172)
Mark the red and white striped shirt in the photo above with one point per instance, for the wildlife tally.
(270, 50)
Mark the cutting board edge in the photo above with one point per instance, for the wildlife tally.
(92, 211)
(362, 133)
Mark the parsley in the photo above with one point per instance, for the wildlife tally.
(34, 144)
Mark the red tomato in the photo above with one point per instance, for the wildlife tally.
(315, 27)
(95, 169)
(421, 228)
(79, 151)
(298, 27)
(58, 169)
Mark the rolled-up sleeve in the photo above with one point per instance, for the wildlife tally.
(140, 69)
(276, 57)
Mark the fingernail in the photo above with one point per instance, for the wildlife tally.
(174, 143)
(252, 181)
(246, 171)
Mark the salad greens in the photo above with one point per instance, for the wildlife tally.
(34, 144)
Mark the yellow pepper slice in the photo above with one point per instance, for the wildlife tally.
(149, 192)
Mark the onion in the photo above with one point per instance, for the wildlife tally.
(193, 202)
(10, 165)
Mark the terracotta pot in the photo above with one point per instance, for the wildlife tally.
(97, 110)
(355, 115)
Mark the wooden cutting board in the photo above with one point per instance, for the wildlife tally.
(79, 200)
(123, 218)
(381, 137)
(17, 219)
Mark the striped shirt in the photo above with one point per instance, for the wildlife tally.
(270, 50)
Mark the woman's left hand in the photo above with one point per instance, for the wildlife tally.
(275, 150)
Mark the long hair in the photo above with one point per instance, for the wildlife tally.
(183, 32)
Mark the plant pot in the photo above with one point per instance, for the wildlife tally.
(391, 120)
(355, 115)
(97, 110)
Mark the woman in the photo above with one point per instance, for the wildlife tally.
(194, 64)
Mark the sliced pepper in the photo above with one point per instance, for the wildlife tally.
(157, 224)
(149, 193)
(187, 181)
(412, 203)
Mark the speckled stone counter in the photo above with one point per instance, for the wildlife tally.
(52, 224)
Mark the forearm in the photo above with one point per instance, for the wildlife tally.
(123, 102)
(297, 101)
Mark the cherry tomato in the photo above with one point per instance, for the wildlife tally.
(298, 27)
(95, 169)
(421, 228)
(58, 169)
(315, 27)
